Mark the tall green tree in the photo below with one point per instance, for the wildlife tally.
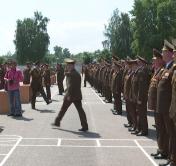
(31, 38)
(153, 21)
(119, 34)
(61, 53)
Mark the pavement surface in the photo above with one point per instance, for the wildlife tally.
(31, 140)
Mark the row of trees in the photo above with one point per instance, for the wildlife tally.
(127, 34)
(145, 28)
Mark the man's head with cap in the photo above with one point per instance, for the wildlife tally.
(70, 64)
(167, 51)
(157, 59)
(174, 50)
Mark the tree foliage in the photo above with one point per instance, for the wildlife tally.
(150, 23)
(61, 53)
(31, 38)
(119, 35)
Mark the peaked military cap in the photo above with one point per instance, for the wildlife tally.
(174, 44)
(115, 58)
(167, 46)
(142, 59)
(130, 62)
(37, 63)
(69, 61)
(117, 64)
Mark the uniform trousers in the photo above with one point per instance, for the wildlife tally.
(48, 91)
(60, 87)
(166, 135)
(117, 102)
(128, 111)
(35, 90)
(142, 123)
(78, 105)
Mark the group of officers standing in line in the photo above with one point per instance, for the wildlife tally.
(144, 86)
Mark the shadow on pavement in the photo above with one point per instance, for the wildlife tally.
(45, 111)
(152, 134)
(23, 118)
(87, 134)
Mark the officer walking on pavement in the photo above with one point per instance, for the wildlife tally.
(36, 84)
(73, 95)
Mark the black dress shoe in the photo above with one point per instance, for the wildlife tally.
(131, 129)
(83, 129)
(49, 102)
(142, 134)
(160, 156)
(18, 115)
(10, 114)
(115, 113)
(135, 132)
(56, 123)
(119, 113)
(155, 154)
(127, 125)
(168, 163)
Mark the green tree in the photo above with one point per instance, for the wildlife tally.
(31, 38)
(66, 53)
(119, 34)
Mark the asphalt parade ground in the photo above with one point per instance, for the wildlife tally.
(31, 140)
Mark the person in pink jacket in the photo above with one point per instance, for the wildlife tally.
(13, 77)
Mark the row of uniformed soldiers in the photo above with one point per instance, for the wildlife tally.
(144, 86)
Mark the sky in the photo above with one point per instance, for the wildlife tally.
(74, 24)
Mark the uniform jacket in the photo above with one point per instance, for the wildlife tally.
(26, 74)
(164, 92)
(73, 82)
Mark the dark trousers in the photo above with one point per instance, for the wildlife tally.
(133, 113)
(78, 105)
(166, 135)
(48, 92)
(34, 95)
(117, 103)
(60, 87)
(142, 123)
(129, 117)
(85, 80)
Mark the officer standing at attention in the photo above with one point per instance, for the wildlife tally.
(73, 95)
(26, 73)
(36, 84)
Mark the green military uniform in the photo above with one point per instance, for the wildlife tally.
(116, 88)
(73, 95)
(143, 77)
(26, 74)
(36, 85)
(126, 95)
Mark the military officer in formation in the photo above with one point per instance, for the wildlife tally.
(144, 86)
